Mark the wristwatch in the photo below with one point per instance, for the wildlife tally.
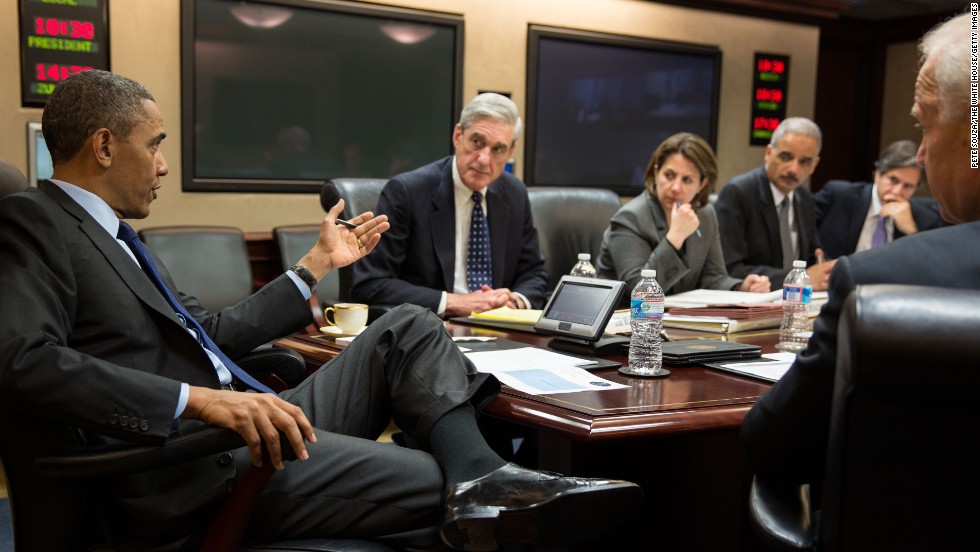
(305, 274)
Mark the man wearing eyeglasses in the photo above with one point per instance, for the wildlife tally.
(461, 238)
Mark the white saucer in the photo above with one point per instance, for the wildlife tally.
(337, 332)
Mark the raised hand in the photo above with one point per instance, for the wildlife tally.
(339, 245)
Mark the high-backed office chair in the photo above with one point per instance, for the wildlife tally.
(209, 262)
(902, 471)
(359, 195)
(570, 221)
(53, 486)
(11, 179)
(296, 240)
(293, 242)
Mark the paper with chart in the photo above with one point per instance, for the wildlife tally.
(536, 371)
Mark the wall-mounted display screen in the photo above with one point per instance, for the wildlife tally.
(770, 80)
(58, 39)
(598, 105)
(281, 97)
(39, 165)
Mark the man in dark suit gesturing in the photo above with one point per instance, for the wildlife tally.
(765, 216)
(785, 434)
(94, 338)
(855, 216)
(462, 238)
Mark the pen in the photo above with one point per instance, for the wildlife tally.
(346, 223)
(820, 257)
(698, 231)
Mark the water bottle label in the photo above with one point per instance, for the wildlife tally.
(646, 309)
(797, 294)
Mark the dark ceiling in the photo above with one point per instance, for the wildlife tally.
(822, 12)
(884, 10)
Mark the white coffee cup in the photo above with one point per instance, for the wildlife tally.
(349, 317)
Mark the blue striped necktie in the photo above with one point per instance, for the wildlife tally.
(127, 235)
(478, 257)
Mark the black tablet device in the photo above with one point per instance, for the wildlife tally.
(578, 311)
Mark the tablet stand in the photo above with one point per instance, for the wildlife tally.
(606, 345)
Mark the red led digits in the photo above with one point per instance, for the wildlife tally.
(57, 27)
(56, 72)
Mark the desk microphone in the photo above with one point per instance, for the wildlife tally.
(328, 198)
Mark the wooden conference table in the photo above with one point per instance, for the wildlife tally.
(676, 436)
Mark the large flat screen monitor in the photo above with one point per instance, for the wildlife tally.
(598, 105)
(281, 96)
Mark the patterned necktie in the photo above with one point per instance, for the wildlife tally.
(785, 234)
(880, 235)
(478, 257)
(127, 235)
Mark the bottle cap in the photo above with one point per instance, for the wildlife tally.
(584, 256)
(648, 273)
(799, 264)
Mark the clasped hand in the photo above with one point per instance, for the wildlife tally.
(484, 299)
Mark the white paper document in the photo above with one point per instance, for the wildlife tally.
(771, 369)
(697, 298)
(539, 372)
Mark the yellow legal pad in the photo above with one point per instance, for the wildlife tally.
(507, 314)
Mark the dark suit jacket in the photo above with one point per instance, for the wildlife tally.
(750, 227)
(635, 241)
(785, 434)
(415, 259)
(842, 208)
(88, 342)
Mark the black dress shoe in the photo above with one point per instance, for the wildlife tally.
(517, 505)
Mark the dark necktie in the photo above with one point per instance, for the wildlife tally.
(127, 235)
(785, 234)
(478, 257)
(880, 235)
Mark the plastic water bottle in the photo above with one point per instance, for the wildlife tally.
(584, 267)
(795, 330)
(646, 322)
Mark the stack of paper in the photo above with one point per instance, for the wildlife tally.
(506, 318)
(700, 298)
(735, 312)
(720, 311)
(523, 316)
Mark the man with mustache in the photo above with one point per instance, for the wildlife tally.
(766, 216)
(462, 238)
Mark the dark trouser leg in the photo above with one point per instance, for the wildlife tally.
(404, 367)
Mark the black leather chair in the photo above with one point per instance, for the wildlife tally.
(359, 195)
(11, 179)
(208, 262)
(902, 471)
(296, 240)
(52, 485)
(211, 263)
(570, 221)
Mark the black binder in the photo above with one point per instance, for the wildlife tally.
(698, 351)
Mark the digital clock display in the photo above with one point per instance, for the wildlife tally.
(769, 84)
(59, 38)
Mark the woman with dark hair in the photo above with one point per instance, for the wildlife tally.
(671, 227)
